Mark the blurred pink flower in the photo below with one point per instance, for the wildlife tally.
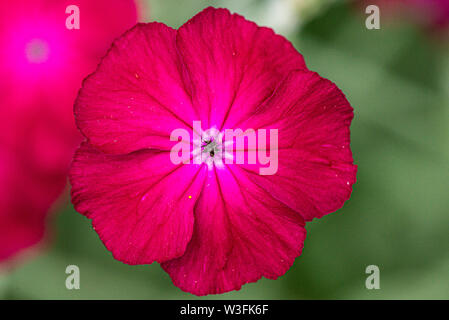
(213, 228)
(42, 64)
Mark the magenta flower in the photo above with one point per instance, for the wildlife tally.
(42, 64)
(212, 226)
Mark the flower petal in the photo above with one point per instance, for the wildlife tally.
(232, 64)
(136, 96)
(22, 223)
(238, 237)
(141, 205)
(315, 166)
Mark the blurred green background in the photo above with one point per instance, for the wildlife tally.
(396, 78)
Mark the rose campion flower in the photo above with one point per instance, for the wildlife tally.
(42, 65)
(213, 227)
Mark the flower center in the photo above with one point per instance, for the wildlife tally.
(210, 146)
(37, 51)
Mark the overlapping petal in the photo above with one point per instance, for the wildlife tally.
(241, 233)
(232, 64)
(239, 66)
(140, 204)
(315, 166)
(136, 97)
